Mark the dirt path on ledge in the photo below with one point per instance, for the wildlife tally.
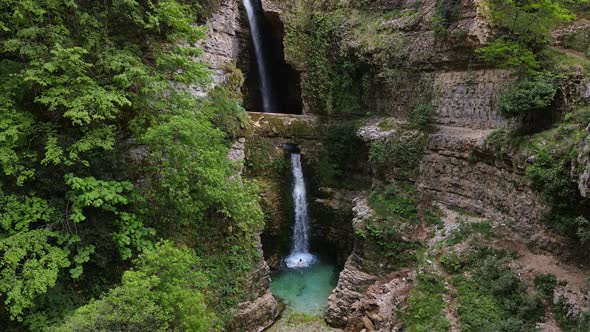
(546, 263)
(572, 53)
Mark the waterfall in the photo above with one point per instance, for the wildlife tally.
(257, 39)
(300, 256)
(300, 230)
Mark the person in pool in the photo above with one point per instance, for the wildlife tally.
(300, 263)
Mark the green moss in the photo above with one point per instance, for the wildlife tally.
(399, 155)
(262, 157)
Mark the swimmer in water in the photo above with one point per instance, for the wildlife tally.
(300, 263)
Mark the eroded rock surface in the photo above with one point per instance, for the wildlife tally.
(364, 300)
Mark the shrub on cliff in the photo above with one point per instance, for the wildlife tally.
(446, 12)
(550, 175)
(399, 155)
(420, 116)
(530, 95)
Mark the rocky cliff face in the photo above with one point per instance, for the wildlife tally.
(367, 300)
(220, 50)
(457, 169)
(221, 46)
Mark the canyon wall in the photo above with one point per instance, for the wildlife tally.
(459, 169)
(221, 50)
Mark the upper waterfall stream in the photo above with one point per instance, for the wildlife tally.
(254, 20)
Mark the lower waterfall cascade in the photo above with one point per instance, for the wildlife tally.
(300, 256)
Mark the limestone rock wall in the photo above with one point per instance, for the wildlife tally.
(220, 48)
(460, 98)
(470, 98)
(458, 171)
(366, 300)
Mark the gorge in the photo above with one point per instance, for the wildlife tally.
(306, 165)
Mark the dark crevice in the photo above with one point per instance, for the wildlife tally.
(285, 80)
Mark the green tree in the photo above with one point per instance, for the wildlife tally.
(84, 83)
(523, 30)
(162, 293)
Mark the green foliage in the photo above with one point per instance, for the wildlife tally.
(227, 114)
(108, 195)
(162, 293)
(545, 284)
(420, 116)
(89, 192)
(308, 43)
(569, 224)
(566, 60)
(343, 147)
(530, 95)
(550, 175)
(30, 265)
(579, 41)
(95, 99)
(34, 254)
(492, 297)
(524, 29)
(570, 323)
(387, 235)
(466, 230)
(446, 12)
(583, 231)
(396, 212)
(396, 201)
(478, 311)
(401, 154)
(427, 305)
(549, 155)
(509, 54)
(262, 157)
(500, 143)
(530, 21)
(334, 81)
